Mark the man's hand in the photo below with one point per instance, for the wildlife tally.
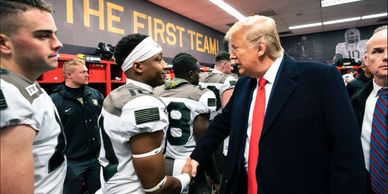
(190, 167)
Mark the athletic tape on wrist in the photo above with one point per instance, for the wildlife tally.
(184, 179)
(158, 186)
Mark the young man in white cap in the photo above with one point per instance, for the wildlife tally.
(133, 123)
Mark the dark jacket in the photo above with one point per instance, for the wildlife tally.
(358, 103)
(309, 142)
(79, 118)
(356, 84)
(359, 100)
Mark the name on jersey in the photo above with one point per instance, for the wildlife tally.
(32, 89)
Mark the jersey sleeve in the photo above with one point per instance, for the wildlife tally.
(144, 114)
(340, 49)
(207, 102)
(229, 83)
(15, 109)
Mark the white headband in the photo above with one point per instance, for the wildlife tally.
(143, 51)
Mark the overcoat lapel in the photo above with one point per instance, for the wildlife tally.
(285, 83)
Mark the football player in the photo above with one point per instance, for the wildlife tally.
(222, 83)
(220, 80)
(133, 123)
(189, 106)
(353, 47)
(31, 135)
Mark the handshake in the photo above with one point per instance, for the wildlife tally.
(190, 167)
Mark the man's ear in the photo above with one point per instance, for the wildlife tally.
(366, 60)
(191, 74)
(261, 49)
(5, 44)
(68, 74)
(138, 67)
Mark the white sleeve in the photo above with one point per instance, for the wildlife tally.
(144, 114)
(229, 83)
(339, 48)
(17, 109)
(208, 102)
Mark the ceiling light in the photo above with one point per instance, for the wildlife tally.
(341, 20)
(327, 3)
(229, 9)
(373, 16)
(338, 21)
(305, 26)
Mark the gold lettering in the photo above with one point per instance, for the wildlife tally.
(149, 19)
(69, 12)
(159, 29)
(111, 17)
(213, 46)
(192, 33)
(171, 38)
(136, 23)
(206, 44)
(198, 42)
(99, 13)
(181, 30)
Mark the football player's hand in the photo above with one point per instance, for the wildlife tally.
(190, 167)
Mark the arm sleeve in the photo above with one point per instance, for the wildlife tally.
(214, 136)
(347, 168)
(18, 111)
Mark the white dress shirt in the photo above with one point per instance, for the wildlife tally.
(270, 76)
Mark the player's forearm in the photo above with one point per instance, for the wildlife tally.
(16, 146)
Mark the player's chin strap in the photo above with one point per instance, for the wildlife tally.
(150, 153)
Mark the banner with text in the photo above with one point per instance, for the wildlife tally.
(85, 23)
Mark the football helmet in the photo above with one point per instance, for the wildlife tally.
(352, 35)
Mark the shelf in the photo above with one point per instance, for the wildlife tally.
(102, 75)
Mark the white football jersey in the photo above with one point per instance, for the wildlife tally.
(23, 102)
(218, 82)
(129, 110)
(184, 103)
(354, 51)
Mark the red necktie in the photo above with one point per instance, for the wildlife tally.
(257, 125)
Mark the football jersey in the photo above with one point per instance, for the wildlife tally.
(184, 103)
(23, 102)
(127, 111)
(354, 51)
(218, 83)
